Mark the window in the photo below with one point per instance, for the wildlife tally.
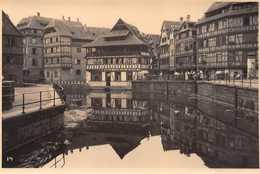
(205, 43)
(96, 103)
(246, 21)
(117, 76)
(57, 39)
(78, 72)
(96, 76)
(34, 51)
(48, 74)
(232, 39)
(11, 42)
(33, 40)
(34, 62)
(34, 31)
(55, 74)
(78, 50)
(11, 60)
(129, 76)
(77, 61)
(216, 26)
(117, 103)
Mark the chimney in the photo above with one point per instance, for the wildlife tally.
(38, 13)
(181, 20)
(188, 18)
(77, 19)
(68, 18)
(63, 18)
(85, 28)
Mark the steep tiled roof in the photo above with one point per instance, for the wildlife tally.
(70, 28)
(97, 31)
(155, 38)
(117, 33)
(8, 27)
(217, 5)
(174, 24)
(190, 26)
(229, 12)
(35, 22)
(133, 38)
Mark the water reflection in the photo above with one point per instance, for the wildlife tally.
(207, 133)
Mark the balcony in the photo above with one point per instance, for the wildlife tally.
(179, 53)
(243, 29)
(52, 65)
(66, 65)
(117, 67)
(124, 112)
(67, 54)
(213, 33)
(118, 54)
(188, 65)
(223, 64)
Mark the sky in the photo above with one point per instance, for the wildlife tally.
(146, 15)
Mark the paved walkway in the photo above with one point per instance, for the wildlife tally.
(32, 95)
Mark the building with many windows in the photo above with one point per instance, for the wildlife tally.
(12, 51)
(32, 27)
(227, 39)
(63, 55)
(185, 51)
(117, 58)
(163, 63)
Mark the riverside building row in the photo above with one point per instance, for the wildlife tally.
(52, 48)
(224, 40)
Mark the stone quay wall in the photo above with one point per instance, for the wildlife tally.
(237, 96)
(25, 128)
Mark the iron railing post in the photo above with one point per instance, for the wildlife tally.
(40, 100)
(23, 105)
(53, 97)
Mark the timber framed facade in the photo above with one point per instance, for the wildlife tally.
(117, 58)
(227, 39)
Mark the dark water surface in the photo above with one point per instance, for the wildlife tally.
(124, 129)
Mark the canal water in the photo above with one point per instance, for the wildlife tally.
(124, 129)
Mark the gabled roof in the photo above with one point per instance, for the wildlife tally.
(70, 28)
(168, 24)
(155, 38)
(8, 27)
(229, 11)
(181, 29)
(217, 5)
(121, 28)
(34, 22)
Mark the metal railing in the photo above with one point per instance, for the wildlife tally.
(242, 81)
(33, 102)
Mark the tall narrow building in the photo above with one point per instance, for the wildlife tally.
(227, 39)
(63, 56)
(32, 27)
(12, 51)
(163, 61)
(117, 58)
(185, 54)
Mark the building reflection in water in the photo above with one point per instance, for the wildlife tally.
(221, 136)
(218, 142)
(114, 119)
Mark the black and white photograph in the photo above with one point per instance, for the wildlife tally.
(137, 85)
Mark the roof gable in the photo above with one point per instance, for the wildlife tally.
(8, 27)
